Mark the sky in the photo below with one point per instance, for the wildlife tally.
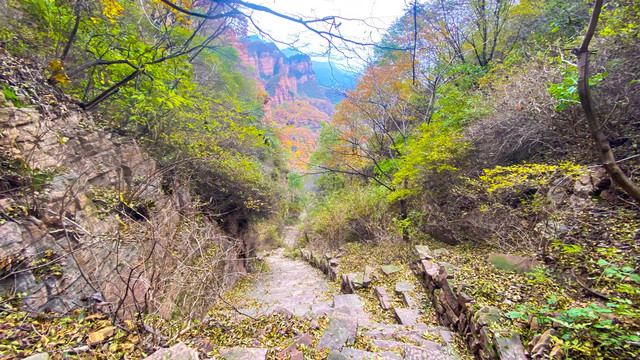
(373, 17)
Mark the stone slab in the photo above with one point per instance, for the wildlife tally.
(335, 355)
(423, 252)
(402, 286)
(408, 300)
(340, 332)
(40, 356)
(351, 301)
(322, 308)
(509, 346)
(179, 351)
(383, 297)
(239, 353)
(406, 316)
(390, 269)
(433, 352)
(356, 354)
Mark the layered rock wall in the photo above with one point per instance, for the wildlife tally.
(91, 225)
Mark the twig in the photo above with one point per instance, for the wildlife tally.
(588, 289)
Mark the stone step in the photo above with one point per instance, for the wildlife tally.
(352, 305)
(406, 316)
(427, 351)
(179, 351)
(341, 331)
(239, 353)
(324, 308)
(351, 353)
(414, 333)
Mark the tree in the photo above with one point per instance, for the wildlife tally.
(601, 142)
(470, 26)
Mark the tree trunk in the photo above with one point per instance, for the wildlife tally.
(601, 142)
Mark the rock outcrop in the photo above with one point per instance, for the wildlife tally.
(285, 77)
(85, 219)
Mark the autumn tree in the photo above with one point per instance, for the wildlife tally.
(472, 29)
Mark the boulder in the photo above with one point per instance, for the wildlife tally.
(583, 185)
(509, 262)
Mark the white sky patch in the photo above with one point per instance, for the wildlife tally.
(371, 19)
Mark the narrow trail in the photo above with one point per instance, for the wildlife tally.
(294, 286)
(289, 284)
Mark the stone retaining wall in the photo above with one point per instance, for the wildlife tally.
(482, 327)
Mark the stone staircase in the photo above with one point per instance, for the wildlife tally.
(294, 288)
(347, 322)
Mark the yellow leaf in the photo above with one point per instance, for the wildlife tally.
(61, 77)
(101, 334)
(55, 65)
(95, 337)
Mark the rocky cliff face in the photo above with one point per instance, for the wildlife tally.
(86, 217)
(285, 78)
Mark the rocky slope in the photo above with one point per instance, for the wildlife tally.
(88, 218)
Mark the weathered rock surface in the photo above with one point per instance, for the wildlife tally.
(243, 354)
(179, 351)
(356, 354)
(509, 346)
(69, 228)
(406, 316)
(340, 332)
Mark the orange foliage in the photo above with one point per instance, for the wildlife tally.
(297, 127)
(369, 116)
